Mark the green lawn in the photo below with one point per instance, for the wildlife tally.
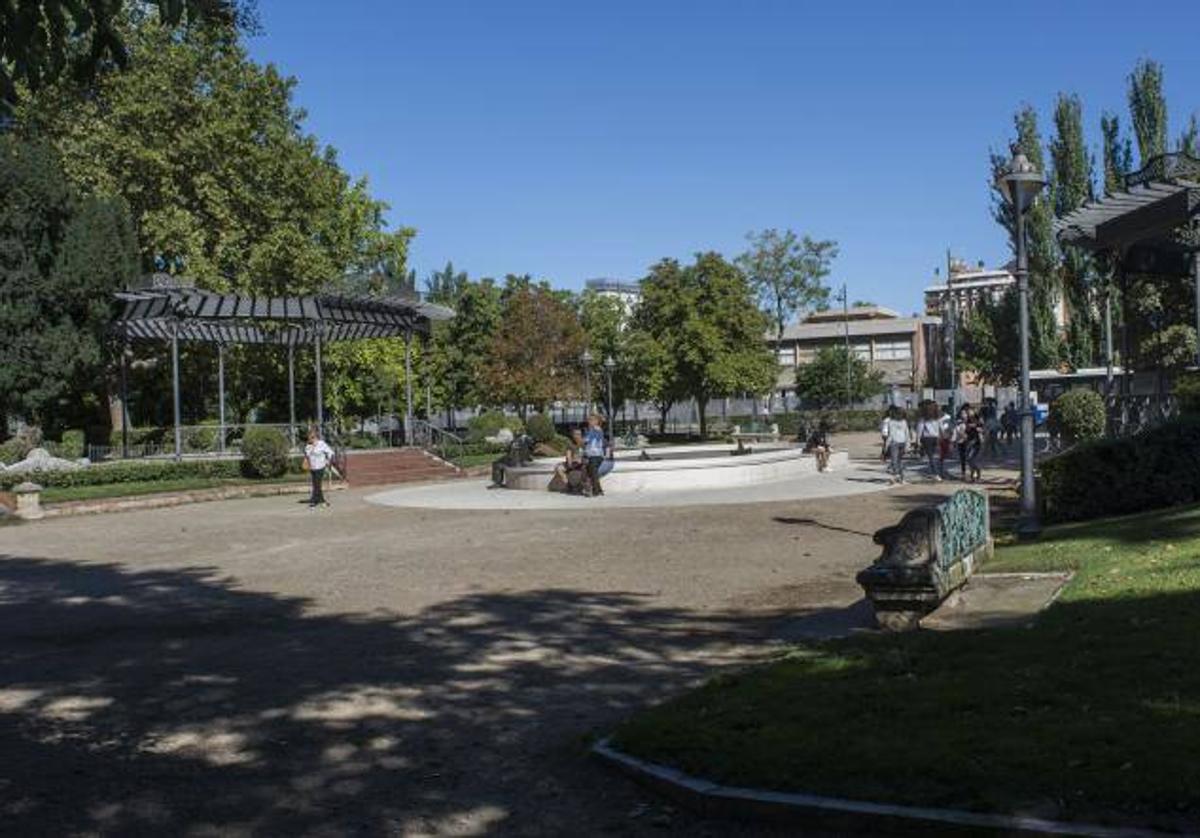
(1093, 713)
(154, 487)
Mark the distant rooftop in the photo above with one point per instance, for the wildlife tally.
(837, 315)
(618, 286)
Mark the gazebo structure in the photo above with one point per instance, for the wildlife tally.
(165, 312)
(1152, 227)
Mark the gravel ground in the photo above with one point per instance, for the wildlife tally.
(254, 668)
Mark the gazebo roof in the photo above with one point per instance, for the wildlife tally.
(208, 317)
(1157, 201)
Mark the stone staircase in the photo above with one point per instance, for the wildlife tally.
(396, 465)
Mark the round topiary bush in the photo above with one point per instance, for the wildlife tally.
(265, 452)
(1078, 415)
(540, 427)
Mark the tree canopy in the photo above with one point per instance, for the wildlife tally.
(62, 256)
(824, 382)
(785, 271)
(223, 184)
(702, 322)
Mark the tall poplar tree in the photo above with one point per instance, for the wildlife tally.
(1044, 280)
(1148, 110)
(1117, 153)
(1071, 184)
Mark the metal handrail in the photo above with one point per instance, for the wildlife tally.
(438, 441)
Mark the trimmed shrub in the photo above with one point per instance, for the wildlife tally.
(265, 452)
(1157, 468)
(540, 427)
(488, 423)
(13, 450)
(1078, 415)
(72, 445)
(1187, 394)
(200, 440)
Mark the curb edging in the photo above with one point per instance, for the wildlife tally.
(840, 815)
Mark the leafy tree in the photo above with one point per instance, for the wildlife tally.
(785, 271)
(1117, 153)
(1148, 109)
(604, 322)
(460, 347)
(61, 259)
(705, 318)
(1044, 276)
(1071, 184)
(42, 39)
(534, 354)
(445, 286)
(221, 181)
(1189, 140)
(822, 383)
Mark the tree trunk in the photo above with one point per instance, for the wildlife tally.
(702, 413)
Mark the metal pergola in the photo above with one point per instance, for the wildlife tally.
(175, 314)
(1152, 226)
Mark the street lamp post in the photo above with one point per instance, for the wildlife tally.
(586, 360)
(1019, 183)
(609, 366)
(845, 301)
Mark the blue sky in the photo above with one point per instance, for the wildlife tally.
(571, 140)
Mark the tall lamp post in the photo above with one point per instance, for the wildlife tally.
(1019, 183)
(586, 360)
(845, 301)
(609, 366)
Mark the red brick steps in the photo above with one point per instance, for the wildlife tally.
(395, 465)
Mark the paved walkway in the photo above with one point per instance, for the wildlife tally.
(255, 668)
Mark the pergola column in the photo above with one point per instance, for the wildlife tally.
(221, 396)
(125, 399)
(292, 393)
(408, 411)
(1196, 280)
(320, 394)
(175, 389)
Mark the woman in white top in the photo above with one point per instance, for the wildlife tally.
(929, 431)
(317, 456)
(898, 435)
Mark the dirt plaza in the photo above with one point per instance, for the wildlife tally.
(253, 667)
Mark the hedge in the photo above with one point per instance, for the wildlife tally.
(1157, 468)
(135, 471)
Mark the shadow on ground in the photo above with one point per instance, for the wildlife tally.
(176, 702)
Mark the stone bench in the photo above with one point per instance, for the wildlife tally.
(926, 557)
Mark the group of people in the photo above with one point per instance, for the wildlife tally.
(937, 434)
(579, 472)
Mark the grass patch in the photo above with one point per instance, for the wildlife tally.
(472, 460)
(154, 487)
(1093, 713)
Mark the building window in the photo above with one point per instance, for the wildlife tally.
(786, 356)
(893, 350)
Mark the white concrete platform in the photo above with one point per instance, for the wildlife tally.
(855, 479)
(686, 468)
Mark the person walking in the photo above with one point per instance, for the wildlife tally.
(960, 439)
(593, 451)
(929, 432)
(974, 444)
(317, 457)
(898, 436)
